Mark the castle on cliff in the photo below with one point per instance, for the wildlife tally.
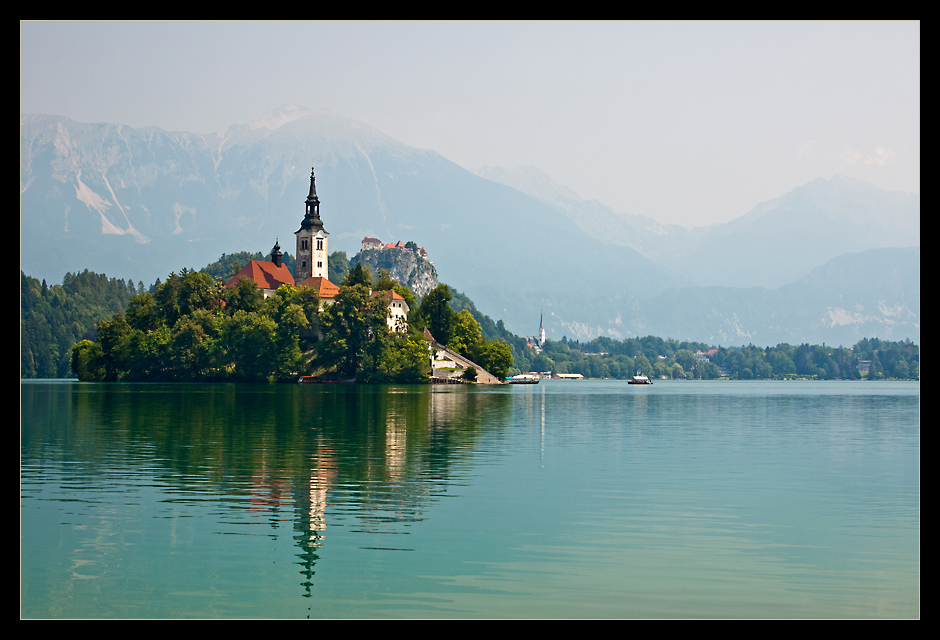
(374, 244)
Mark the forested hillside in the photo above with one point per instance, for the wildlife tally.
(659, 358)
(53, 319)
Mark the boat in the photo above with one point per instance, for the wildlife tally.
(639, 378)
(314, 380)
(523, 379)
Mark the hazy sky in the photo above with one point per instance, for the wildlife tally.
(689, 123)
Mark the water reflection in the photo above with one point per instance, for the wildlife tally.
(380, 455)
(225, 500)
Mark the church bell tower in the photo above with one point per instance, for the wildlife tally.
(311, 240)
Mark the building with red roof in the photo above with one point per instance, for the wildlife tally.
(267, 275)
(371, 243)
(397, 309)
(324, 288)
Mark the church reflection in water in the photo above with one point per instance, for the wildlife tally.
(391, 450)
(375, 457)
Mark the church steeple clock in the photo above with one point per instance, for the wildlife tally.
(311, 240)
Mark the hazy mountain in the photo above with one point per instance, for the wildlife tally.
(143, 202)
(140, 203)
(868, 294)
(659, 242)
(775, 243)
(781, 239)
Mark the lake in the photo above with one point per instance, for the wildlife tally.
(558, 500)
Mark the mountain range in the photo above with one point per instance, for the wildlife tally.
(832, 260)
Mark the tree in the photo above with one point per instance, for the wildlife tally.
(88, 361)
(245, 296)
(384, 281)
(358, 275)
(338, 266)
(249, 340)
(354, 328)
(437, 314)
(285, 307)
(466, 334)
(192, 347)
(142, 313)
(495, 357)
(685, 358)
(111, 336)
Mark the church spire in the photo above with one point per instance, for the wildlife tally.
(312, 216)
(312, 252)
(312, 196)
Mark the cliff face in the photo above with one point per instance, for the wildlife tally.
(404, 265)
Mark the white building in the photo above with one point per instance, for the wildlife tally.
(397, 309)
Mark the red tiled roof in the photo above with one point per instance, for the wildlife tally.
(266, 275)
(385, 294)
(324, 288)
(372, 240)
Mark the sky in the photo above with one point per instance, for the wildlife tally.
(689, 123)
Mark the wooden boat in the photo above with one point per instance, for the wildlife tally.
(315, 380)
(639, 378)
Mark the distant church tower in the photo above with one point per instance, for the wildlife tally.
(311, 240)
(541, 332)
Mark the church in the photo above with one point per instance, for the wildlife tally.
(312, 254)
(312, 268)
(537, 342)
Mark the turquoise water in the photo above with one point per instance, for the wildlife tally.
(563, 499)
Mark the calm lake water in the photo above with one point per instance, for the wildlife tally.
(563, 499)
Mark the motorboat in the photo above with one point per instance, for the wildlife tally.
(639, 378)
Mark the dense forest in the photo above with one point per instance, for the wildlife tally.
(53, 319)
(192, 328)
(608, 358)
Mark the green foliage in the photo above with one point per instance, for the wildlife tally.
(494, 356)
(181, 333)
(437, 315)
(620, 359)
(107, 329)
(354, 328)
(397, 358)
(338, 266)
(466, 334)
(383, 281)
(358, 275)
(88, 361)
(53, 319)
(245, 296)
(249, 341)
